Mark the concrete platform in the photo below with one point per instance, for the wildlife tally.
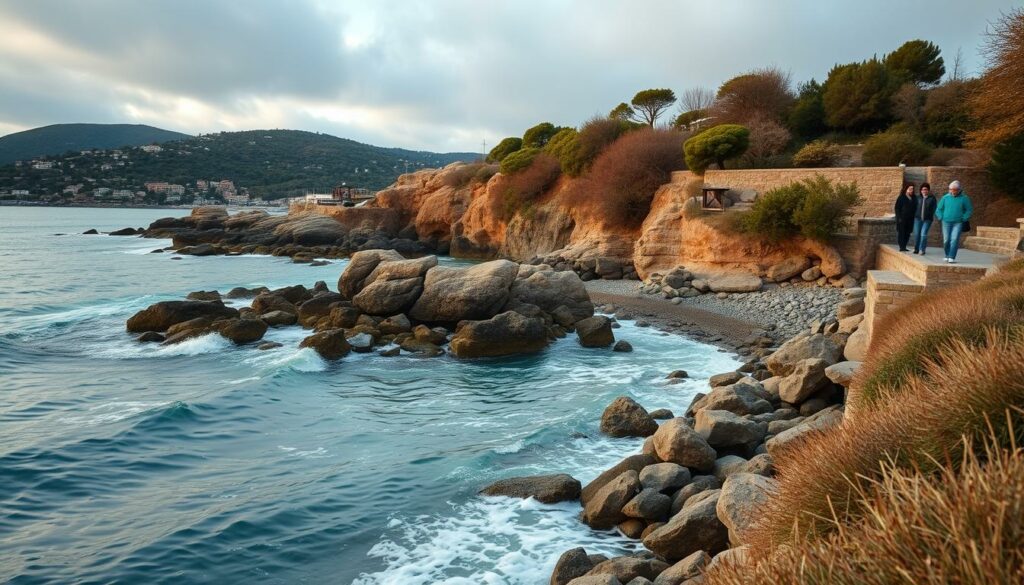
(932, 271)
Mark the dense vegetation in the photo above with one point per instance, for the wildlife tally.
(269, 163)
(814, 208)
(58, 138)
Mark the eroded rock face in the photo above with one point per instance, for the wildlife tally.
(505, 334)
(547, 489)
(161, 316)
(361, 265)
(454, 294)
(550, 290)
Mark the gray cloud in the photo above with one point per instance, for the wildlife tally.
(441, 75)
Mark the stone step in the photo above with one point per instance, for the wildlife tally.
(999, 233)
(990, 245)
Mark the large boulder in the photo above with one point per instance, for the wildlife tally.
(547, 489)
(783, 360)
(694, 528)
(393, 286)
(664, 477)
(739, 398)
(573, 563)
(842, 373)
(455, 294)
(788, 268)
(626, 569)
(360, 265)
(743, 498)
(632, 463)
(807, 378)
(857, 345)
(550, 290)
(242, 331)
(625, 418)
(319, 306)
(160, 316)
(269, 302)
(689, 568)
(596, 580)
(505, 334)
(721, 428)
(330, 344)
(676, 442)
(649, 504)
(817, 423)
(734, 283)
(604, 509)
(850, 308)
(595, 331)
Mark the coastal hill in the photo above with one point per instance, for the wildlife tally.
(60, 138)
(268, 163)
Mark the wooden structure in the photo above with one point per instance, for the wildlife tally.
(713, 198)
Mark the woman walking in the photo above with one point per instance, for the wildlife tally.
(953, 211)
(904, 216)
(924, 213)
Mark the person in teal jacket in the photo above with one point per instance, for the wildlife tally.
(953, 210)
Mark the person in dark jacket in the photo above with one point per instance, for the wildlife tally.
(924, 214)
(905, 216)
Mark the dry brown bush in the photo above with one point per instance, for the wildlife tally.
(767, 91)
(624, 178)
(997, 104)
(467, 173)
(963, 524)
(522, 189)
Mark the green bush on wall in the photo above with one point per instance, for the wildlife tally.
(818, 154)
(815, 208)
(891, 148)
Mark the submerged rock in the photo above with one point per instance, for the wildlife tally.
(625, 418)
(329, 344)
(547, 489)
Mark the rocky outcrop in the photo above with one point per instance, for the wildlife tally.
(504, 334)
(547, 489)
(453, 294)
(625, 418)
(161, 316)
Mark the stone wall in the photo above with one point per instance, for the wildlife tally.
(879, 186)
(859, 247)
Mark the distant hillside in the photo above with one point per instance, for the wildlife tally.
(60, 138)
(268, 163)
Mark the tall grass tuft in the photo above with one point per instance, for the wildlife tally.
(961, 523)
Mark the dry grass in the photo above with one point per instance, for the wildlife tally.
(960, 524)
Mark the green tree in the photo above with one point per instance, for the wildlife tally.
(564, 146)
(1006, 168)
(917, 61)
(504, 148)
(684, 119)
(622, 112)
(807, 118)
(518, 160)
(538, 136)
(857, 96)
(649, 104)
(946, 117)
(716, 145)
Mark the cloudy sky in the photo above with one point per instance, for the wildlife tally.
(439, 75)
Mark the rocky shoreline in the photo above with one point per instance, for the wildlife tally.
(693, 492)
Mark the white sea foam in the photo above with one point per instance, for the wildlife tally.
(508, 449)
(209, 343)
(110, 412)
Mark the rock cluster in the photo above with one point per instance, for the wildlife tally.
(398, 305)
(696, 491)
(590, 268)
(302, 236)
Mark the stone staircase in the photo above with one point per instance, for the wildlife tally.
(995, 240)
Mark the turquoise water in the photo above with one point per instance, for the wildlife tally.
(209, 463)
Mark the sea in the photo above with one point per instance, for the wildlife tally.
(204, 462)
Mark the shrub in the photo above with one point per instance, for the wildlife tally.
(594, 136)
(1006, 168)
(518, 160)
(684, 119)
(826, 208)
(768, 138)
(521, 189)
(765, 92)
(815, 208)
(716, 145)
(485, 172)
(539, 135)
(892, 148)
(950, 527)
(623, 179)
(856, 96)
(818, 154)
(564, 146)
(504, 148)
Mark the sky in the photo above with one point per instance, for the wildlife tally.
(441, 75)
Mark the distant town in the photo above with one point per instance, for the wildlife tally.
(107, 186)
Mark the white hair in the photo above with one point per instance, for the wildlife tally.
(954, 185)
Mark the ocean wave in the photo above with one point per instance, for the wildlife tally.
(111, 412)
(130, 349)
